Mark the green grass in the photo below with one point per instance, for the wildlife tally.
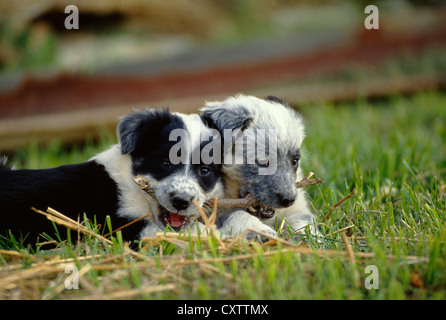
(392, 152)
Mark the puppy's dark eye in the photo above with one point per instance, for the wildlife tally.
(166, 164)
(264, 164)
(295, 162)
(204, 170)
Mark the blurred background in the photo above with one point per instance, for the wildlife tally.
(72, 84)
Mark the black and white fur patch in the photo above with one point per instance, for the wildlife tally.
(275, 192)
(104, 185)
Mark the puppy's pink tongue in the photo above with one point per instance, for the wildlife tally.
(175, 220)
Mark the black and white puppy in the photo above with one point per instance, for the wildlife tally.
(270, 135)
(104, 185)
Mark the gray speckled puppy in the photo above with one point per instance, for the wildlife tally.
(262, 140)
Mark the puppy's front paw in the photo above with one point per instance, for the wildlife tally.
(261, 233)
(241, 221)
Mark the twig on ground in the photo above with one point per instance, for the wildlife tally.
(337, 204)
(343, 229)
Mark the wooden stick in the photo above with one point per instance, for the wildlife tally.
(229, 203)
(337, 204)
(340, 230)
(234, 203)
(305, 182)
(144, 185)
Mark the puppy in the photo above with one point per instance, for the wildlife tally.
(104, 185)
(270, 135)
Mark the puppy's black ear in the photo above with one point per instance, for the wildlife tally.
(134, 128)
(274, 99)
(277, 100)
(221, 117)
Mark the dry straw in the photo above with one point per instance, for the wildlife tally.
(43, 279)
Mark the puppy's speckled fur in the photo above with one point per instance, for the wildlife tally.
(276, 190)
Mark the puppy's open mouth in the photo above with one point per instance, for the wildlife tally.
(175, 220)
(258, 209)
(262, 211)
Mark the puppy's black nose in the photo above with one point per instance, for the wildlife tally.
(285, 200)
(180, 203)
